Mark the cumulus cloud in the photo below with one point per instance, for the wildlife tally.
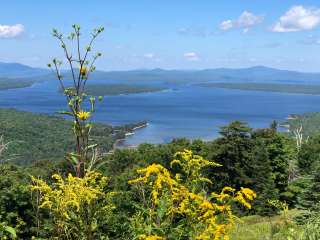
(226, 25)
(11, 31)
(191, 56)
(298, 18)
(246, 21)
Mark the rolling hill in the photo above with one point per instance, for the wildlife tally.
(17, 70)
(256, 74)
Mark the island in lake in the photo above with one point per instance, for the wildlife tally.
(117, 89)
(268, 87)
(7, 83)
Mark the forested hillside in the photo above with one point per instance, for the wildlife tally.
(32, 137)
(263, 160)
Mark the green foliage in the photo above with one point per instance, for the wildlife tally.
(308, 121)
(310, 196)
(294, 191)
(280, 153)
(232, 151)
(259, 148)
(179, 207)
(263, 182)
(79, 207)
(257, 159)
(16, 210)
(308, 156)
(38, 136)
(264, 228)
(275, 228)
(7, 231)
(85, 155)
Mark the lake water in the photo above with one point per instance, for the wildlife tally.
(187, 111)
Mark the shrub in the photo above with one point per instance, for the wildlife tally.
(179, 207)
(79, 208)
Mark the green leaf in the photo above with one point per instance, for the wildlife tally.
(11, 230)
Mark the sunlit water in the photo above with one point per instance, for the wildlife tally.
(188, 111)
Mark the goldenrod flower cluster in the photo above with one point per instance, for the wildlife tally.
(153, 237)
(209, 215)
(69, 198)
(192, 166)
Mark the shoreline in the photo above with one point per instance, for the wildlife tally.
(119, 142)
(132, 132)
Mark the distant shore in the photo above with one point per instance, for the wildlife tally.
(131, 132)
(119, 89)
(268, 87)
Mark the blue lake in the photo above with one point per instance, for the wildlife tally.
(187, 111)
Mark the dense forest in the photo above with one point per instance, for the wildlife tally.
(263, 160)
(31, 137)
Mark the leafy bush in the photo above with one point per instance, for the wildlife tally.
(179, 207)
(79, 207)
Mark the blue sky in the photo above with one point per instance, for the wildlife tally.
(170, 34)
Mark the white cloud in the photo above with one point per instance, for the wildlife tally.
(11, 31)
(226, 25)
(246, 21)
(149, 55)
(298, 18)
(191, 56)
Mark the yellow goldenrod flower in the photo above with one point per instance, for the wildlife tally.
(153, 237)
(83, 115)
(210, 213)
(69, 197)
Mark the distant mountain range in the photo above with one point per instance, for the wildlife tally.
(17, 70)
(253, 74)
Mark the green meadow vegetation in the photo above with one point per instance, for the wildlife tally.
(245, 184)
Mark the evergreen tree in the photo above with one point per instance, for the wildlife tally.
(262, 181)
(308, 155)
(232, 151)
(274, 125)
(310, 198)
(279, 153)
